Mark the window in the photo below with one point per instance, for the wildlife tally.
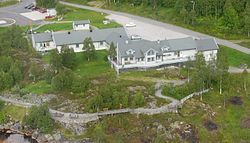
(153, 59)
(101, 43)
(125, 59)
(77, 45)
(149, 59)
(131, 58)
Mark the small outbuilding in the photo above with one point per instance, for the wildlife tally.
(81, 25)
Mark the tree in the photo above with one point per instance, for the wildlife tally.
(68, 57)
(231, 18)
(35, 71)
(16, 73)
(56, 59)
(89, 48)
(184, 15)
(244, 79)
(222, 69)
(61, 9)
(80, 85)
(200, 72)
(192, 16)
(46, 3)
(247, 19)
(112, 51)
(189, 64)
(139, 100)
(63, 80)
(99, 134)
(39, 117)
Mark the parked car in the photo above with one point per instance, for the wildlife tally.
(130, 24)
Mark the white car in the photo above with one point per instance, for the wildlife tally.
(131, 24)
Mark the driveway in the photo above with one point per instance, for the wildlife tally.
(14, 12)
(160, 25)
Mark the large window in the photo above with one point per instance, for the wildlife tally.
(151, 52)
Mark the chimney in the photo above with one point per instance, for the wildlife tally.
(120, 36)
(91, 30)
(126, 41)
(158, 41)
(69, 32)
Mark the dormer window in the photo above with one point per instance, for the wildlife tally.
(130, 52)
(151, 52)
(165, 48)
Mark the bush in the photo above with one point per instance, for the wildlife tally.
(39, 117)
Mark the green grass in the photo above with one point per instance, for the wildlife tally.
(15, 112)
(39, 88)
(55, 27)
(97, 67)
(8, 3)
(235, 57)
(245, 44)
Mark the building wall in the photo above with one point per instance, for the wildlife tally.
(97, 45)
(210, 54)
(45, 46)
(81, 27)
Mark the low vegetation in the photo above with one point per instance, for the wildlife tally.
(8, 3)
(39, 118)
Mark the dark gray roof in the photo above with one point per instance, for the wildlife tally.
(43, 37)
(206, 44)
(142, 46)
(82, 22)
(77, 37)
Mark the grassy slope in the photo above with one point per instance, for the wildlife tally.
(15, 112)
(236, 58)
(129, 128)
(97, 67)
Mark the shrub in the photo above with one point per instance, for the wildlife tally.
(39, 117)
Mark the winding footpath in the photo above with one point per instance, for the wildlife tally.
(70, 118)
(162, 25)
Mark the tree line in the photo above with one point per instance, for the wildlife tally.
(231, 16)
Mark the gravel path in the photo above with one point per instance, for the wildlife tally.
(87, 117)
(163, 26)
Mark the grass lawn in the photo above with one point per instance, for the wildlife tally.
(236, 57)
(8, 3)
(97, 67)
(55, 27)
(75, 14)
(15, 112)
(39, 88)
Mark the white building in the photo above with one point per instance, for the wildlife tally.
(131, 53)
(81, 25)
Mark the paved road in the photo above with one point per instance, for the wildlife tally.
(14, 11)
(163, 25)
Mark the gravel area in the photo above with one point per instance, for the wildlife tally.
(147, 31)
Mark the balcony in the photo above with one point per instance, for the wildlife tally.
(151, 64)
